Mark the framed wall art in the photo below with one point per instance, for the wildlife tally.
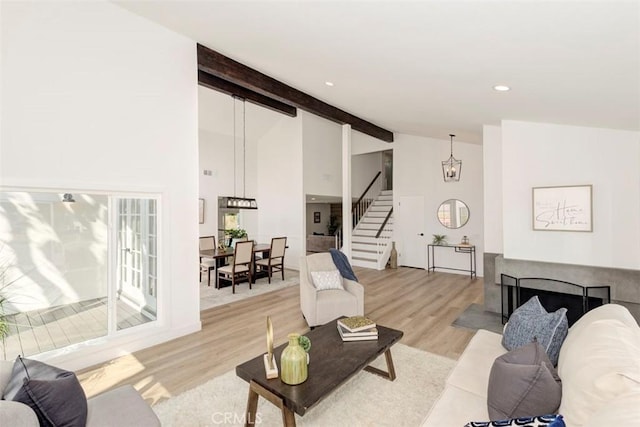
(565, 208)
(316, 217)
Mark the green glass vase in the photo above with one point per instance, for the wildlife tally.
(293, 362)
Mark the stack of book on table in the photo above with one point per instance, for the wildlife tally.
(357, 328)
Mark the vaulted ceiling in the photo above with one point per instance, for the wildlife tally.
(428, 67)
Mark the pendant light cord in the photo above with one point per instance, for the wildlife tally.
(244, 149)
(234, 146)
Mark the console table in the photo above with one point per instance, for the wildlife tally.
(461, 249)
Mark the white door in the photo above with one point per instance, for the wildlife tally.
(410, 222)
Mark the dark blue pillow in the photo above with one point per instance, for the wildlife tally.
(55, 395)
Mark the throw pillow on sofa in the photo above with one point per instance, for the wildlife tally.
(530, 321)
(539, 421)
(55, 395)
(523, 382)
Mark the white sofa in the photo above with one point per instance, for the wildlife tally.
(599, 366)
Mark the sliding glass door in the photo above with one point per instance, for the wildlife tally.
(75, 267)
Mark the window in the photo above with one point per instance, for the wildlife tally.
(55, 262)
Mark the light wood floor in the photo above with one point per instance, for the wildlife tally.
(420, 304)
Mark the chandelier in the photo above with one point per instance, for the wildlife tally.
(451, 168)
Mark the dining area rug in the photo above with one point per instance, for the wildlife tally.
(211, 297)
(365, 400)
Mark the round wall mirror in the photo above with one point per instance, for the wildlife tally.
(453, 213)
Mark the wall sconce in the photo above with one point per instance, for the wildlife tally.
(68, 198)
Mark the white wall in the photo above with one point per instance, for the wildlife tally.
(325, 212)
(322, 141)
(492, 173)
(96, 98)
(417, 171)
(215, 154)
(539, 155)
(363, 168)
(362, 143)
(281, 202)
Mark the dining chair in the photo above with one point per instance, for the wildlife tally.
(275, 261)
(207, 264)
(241, 265)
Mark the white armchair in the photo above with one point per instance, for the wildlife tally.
(320, 307)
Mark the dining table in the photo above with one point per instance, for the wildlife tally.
(221, 254)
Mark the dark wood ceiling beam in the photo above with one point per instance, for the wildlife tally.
(225, 68)
(224, 86)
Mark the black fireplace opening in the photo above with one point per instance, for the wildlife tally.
(553, 295)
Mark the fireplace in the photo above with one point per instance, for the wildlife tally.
(553, 294)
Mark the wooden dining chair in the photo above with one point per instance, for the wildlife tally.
(207, 264)
(240, 267)
(275, 261)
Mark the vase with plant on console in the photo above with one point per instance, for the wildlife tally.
(293, 362)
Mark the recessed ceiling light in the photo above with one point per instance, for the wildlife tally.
(501, 88)
(313, 198)
(329, 83)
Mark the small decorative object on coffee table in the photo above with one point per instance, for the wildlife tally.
(293, 362)
(270, 366)
(356, 323)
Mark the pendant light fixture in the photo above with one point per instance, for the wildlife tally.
(451, 168)
(234, 201)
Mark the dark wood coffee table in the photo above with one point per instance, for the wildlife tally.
(332, 362)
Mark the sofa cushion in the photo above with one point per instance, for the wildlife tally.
(455, 407)
(523, 383)
(606, 311)
(530, 321)
(600, 364)
(621, 411)
(122, 407)
(327, 280)
(55, 395)
(472, 370)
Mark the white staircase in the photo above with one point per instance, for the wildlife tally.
(367, 250)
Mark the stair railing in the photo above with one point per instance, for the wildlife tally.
(368, 196)
(384, 223)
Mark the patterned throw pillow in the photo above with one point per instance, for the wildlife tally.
(540, 421)
(327, 280)
(530, 321)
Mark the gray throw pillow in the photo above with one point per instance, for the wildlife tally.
(530, 321)
(55, 395)
(523, 383)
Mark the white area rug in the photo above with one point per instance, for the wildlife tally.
(365, 400)
(212, 297)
